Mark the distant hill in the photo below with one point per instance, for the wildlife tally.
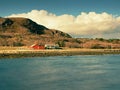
(25, 26)
(25, 32)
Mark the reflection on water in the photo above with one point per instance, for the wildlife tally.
(61, 73)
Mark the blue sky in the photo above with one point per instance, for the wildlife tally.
(59, 7)
(79, 18)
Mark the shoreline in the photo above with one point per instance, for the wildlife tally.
(55, 52)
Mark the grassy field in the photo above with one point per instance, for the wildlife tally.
(16, 52)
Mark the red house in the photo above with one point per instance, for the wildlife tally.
(37, 46)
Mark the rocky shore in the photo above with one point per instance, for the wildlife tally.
(55, 52)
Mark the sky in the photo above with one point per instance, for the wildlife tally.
(79, 18)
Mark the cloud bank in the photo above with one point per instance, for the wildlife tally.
(89, 24)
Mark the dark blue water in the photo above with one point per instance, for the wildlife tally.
(61, 73)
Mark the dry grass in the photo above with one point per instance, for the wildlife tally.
(28, 52)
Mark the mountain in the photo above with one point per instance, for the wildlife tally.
(23, 31)
(24, 26)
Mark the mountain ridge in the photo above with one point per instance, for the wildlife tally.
(25, 25)
(25, 32)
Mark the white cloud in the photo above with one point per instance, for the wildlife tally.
(85, 24)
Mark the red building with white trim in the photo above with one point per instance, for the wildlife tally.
(37, 46)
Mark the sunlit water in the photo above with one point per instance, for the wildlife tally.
(61, 73)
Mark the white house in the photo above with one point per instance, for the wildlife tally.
(52, 46)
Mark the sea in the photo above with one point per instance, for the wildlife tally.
(81, 72)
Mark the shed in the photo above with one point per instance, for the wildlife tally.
(37, 46)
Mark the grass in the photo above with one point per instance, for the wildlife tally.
(17, 52)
